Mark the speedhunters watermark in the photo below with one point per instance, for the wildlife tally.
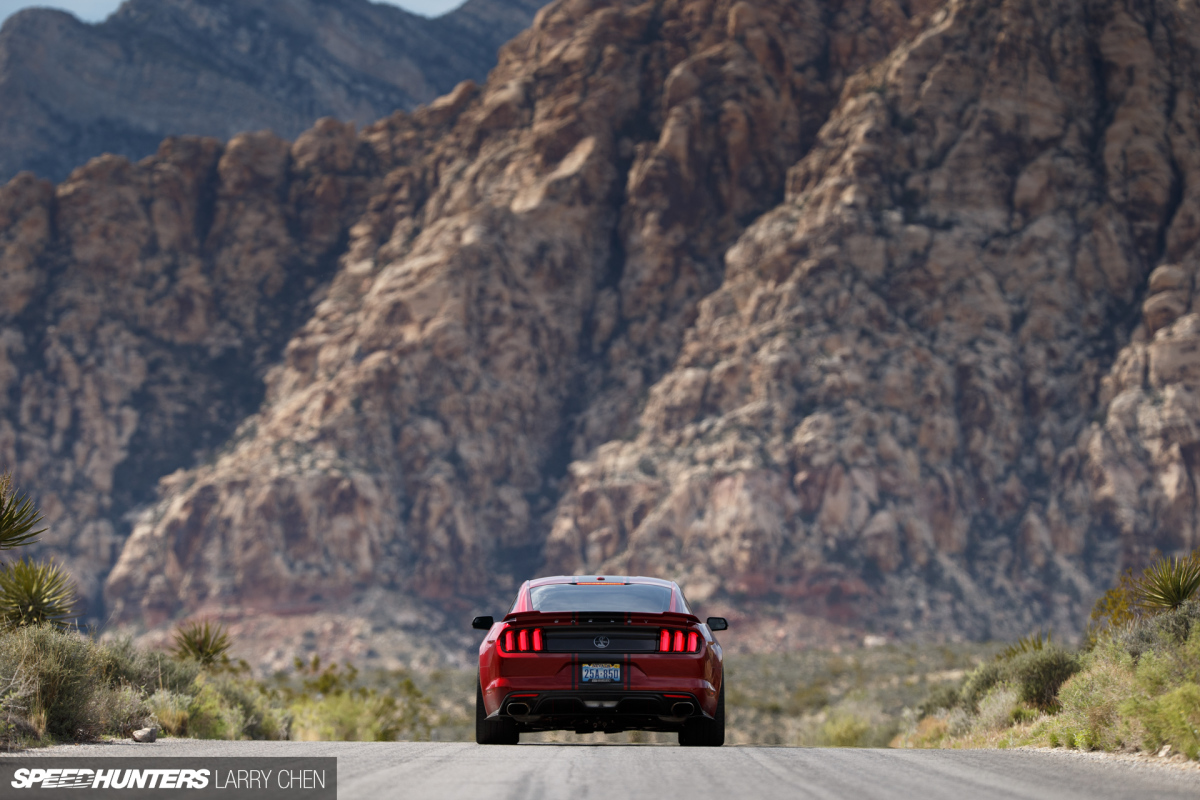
(153, 777)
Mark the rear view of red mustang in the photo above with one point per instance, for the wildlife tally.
(602, 653)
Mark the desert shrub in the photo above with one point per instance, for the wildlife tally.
(262, 713)
(62, 669)
(939, 698)
(333, 707)
(211, 715)
(1038, 675)
(958, 721)
(844, 729)
(119, 710)
(1160, 632)
(1115, 609)
(997, 706)
(1035, 673)
(170, 711)
(1091, 700)
(1165, 702)
(1171, 718)
(979, 683)
(150, 671)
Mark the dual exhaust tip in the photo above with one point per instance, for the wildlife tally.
(677, 709)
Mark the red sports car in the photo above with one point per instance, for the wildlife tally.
(602, 653)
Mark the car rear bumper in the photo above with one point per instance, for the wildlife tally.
(600, 710)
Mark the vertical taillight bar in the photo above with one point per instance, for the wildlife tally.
(537, 640)
(523, 640)
(693, 642)
(664, 641)
(508, 641)
(677, 646)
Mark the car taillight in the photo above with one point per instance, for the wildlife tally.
(675, 642)
(523, 641)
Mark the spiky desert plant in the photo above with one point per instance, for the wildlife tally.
(1032, 643)
(1169, 582)
(35, 593)
(18, 516)
(202, 641)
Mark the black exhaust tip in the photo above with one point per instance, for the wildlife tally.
(682, 709)
(521, 709)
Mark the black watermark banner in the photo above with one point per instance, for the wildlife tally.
(169, 777)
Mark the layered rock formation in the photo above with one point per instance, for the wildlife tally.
(142, 305)
(70, 91)
(876, 312)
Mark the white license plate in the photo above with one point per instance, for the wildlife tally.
(601, 673)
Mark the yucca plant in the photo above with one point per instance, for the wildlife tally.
(1169, 582)
(35, 593)
(18, 517)
(203, 642)
(1032, 643)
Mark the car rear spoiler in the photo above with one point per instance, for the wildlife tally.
(578, 617)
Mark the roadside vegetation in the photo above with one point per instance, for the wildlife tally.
(1133, 686)
(60, 684)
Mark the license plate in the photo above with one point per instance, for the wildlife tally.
(601, 673)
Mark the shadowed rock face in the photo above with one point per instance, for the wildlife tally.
(874, 312)
(70, 91)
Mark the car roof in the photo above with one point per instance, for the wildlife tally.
(606, 578)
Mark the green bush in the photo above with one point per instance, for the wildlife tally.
(62, 670)
(212, 716)
(334, 706)
(1161, 632)
(262, 714)
(1171, 718)
(940, 698)
(997, 707)
(150, 671)
(1038, 675)
(1115, 609)
(845, 730)
(979, 683)
(169, 710)
(1091, 701)
(120, 710)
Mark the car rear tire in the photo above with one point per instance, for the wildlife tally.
(706, 732)
(492, 731)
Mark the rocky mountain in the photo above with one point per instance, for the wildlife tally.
(865, 314)
(70, 91)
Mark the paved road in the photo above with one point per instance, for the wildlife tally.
(444, 771)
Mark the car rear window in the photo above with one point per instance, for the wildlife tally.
(632, 597)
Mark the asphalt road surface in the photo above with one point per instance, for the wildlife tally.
(444, 771)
